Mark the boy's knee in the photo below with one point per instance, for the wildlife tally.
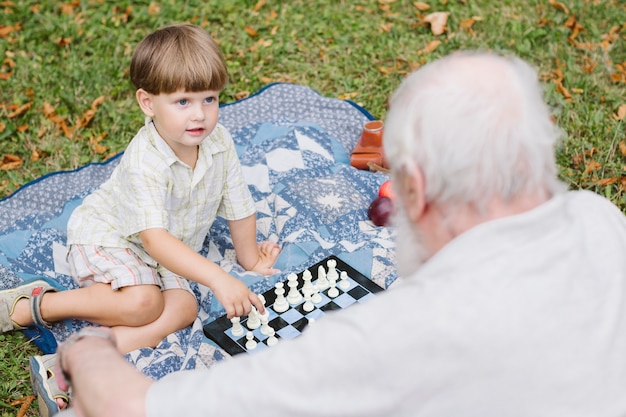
(144, 305)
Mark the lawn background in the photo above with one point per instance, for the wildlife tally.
(65, 98)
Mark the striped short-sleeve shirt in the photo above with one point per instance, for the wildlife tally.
(152, 188)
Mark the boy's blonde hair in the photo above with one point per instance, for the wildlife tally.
(178, 57)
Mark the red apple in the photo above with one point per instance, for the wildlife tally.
(385, 190)
(380, 211)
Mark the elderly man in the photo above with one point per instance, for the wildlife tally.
(513, 296)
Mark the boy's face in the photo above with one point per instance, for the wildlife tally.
(183, 119)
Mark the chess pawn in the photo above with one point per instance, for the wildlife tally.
(332, 274)
(333, 291)
(307, 287)
(344, 284)
(265, 327)
(280, 304)
(250, 342)
(237, 329)
(272, 339)
(322, 282)
(308, 304)
(316, 297)
(253, 321)
(294, 296)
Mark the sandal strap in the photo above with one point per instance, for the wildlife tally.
(35, 305)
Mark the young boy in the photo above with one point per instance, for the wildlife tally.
(134, 242)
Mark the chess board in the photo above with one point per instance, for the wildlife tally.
(291, 323)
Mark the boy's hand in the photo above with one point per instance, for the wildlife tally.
(268, 253)
(235, 297)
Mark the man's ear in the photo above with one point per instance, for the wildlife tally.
(145, 102)
(411, 191)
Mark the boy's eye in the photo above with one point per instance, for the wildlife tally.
(183, 101)
(209, 99)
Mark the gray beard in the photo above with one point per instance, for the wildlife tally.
(410, 250)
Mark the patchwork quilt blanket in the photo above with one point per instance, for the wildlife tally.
(294, 145)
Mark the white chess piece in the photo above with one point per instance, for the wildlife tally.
(271, 340)
(316, 297)
(294, 296)
(250, 342)
(331, 273)
(308, 304)
(253, 321)
(307, 287)
(322, 282)
(237, 329)
(344, 284)
(265, 327)
(280, 304)
(333, 291)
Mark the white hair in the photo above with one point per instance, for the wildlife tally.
(477, 126)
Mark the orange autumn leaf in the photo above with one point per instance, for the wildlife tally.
(154, 8)
(575, 27)
(258, 5)
(466, 24)
(88, 115)
(7, 30)
(559, 6)
(22, 128)
(621, 113)
(592, 166)
(251, 31)
(386, 27)
(20, 110)
(610, 38)
(622, 148)
(2, 127)
(607, 181)
(438, 21)
(430, 46)
(10, 162)
(421, 6)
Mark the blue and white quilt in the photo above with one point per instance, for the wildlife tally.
(294, 145)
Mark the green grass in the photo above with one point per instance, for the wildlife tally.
(68, 55)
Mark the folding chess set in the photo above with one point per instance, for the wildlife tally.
(290, 306)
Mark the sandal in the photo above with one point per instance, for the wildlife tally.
(9, 298)
(44, 384)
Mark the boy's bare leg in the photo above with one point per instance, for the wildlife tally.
(97, 303)
(141, 315)
(180, 310)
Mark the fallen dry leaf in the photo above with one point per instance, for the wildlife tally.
(606, 181)
(559, 6)
(466, 24)
(258, 5)
(438, 21)
(621, 112)
(251, 31)
(610, 38)
(386, 27)
(20, 110)
(10, 162)
(574, 26)
(154, 8)
(622, 148)
(421, 6)
(592, 166)
(7, 30)
(430, 46)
